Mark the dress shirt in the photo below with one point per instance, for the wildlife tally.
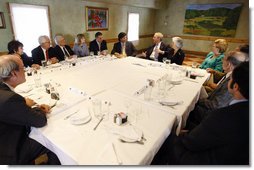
(237, 101)
(224, 77)
(44, 52)
(99, 44)
(66, 53)
(123, 49)
(154, 54)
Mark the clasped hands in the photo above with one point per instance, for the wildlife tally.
(44, 107)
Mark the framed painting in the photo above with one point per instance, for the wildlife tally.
(212, 19)
(2, 22)
(96, 18)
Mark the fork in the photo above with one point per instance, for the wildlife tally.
(139, 142)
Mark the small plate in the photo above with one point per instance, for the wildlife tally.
(170, 103)
(55, 65)
(80, 118)
(176, 81)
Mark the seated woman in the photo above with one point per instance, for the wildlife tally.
(178, 55)
(80, 47)
(16, 47)
(214, 59)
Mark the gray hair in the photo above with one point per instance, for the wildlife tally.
(178, 42)
(57, 39)
(7, 65)
(236, 57)
(42, 39)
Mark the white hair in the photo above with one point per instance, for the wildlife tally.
(178, 42)
(57, 39)
(42, 39)
(7, 65)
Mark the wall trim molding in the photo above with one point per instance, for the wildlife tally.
(209, 38)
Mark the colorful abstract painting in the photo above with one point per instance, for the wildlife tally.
(97, 18)
(212, 19)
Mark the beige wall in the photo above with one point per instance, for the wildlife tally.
(68, 17)
(176, 13)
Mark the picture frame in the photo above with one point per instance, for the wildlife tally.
(96, 18)
(212, 19)
(2, 22)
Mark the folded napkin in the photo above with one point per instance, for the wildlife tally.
(155, 64)
(128, 133)
(199, 72)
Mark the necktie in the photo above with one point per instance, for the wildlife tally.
(123, 49)
(66, 52)
(221, 80)
(47, 55)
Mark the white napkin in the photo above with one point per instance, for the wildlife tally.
(108, 156)
(199, 72)
(128, 133)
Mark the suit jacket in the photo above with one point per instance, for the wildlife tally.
(178, 57)
(38, 55)
(130, 50)
(59, 52)
(16, 118)
(163, 47)
(221, 139)
(93, 46)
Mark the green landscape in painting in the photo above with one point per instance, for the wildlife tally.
(212, 19)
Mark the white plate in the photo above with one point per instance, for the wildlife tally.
(170, 102)
(176, 81)
(80, 118)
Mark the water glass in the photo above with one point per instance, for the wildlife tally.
(44, 63)
(37, 80)
(96, 103)
(147, 93)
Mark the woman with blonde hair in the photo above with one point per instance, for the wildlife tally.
(214, 59)
(80, 47)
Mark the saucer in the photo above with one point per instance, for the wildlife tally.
(80, 118)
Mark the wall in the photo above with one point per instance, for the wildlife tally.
(176, 13)
(68, 17)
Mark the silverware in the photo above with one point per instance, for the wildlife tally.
(99, 122)
(53, 105)
(171, 87)
(117, 157)
(67, 117)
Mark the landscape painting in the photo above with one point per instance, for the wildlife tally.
(212, 19)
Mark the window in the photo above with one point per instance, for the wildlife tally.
(29, 22)
(133, 26)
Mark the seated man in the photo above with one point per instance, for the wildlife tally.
(44, 51)
(220, 139)
(98, 45)
(17, 117)
(61, 50)
(158, 50)
(123, 48)
(220, 97)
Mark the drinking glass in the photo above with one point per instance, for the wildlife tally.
(96, 103)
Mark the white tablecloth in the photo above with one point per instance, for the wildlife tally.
(114, 81)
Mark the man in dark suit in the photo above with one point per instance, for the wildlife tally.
(222, 138)
(123, 48)
(98, 45)
(62, 50)
(44, 52)
(158, 50)
(220, 97)
(16, 118)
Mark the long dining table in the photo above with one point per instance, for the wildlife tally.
(120, 86)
